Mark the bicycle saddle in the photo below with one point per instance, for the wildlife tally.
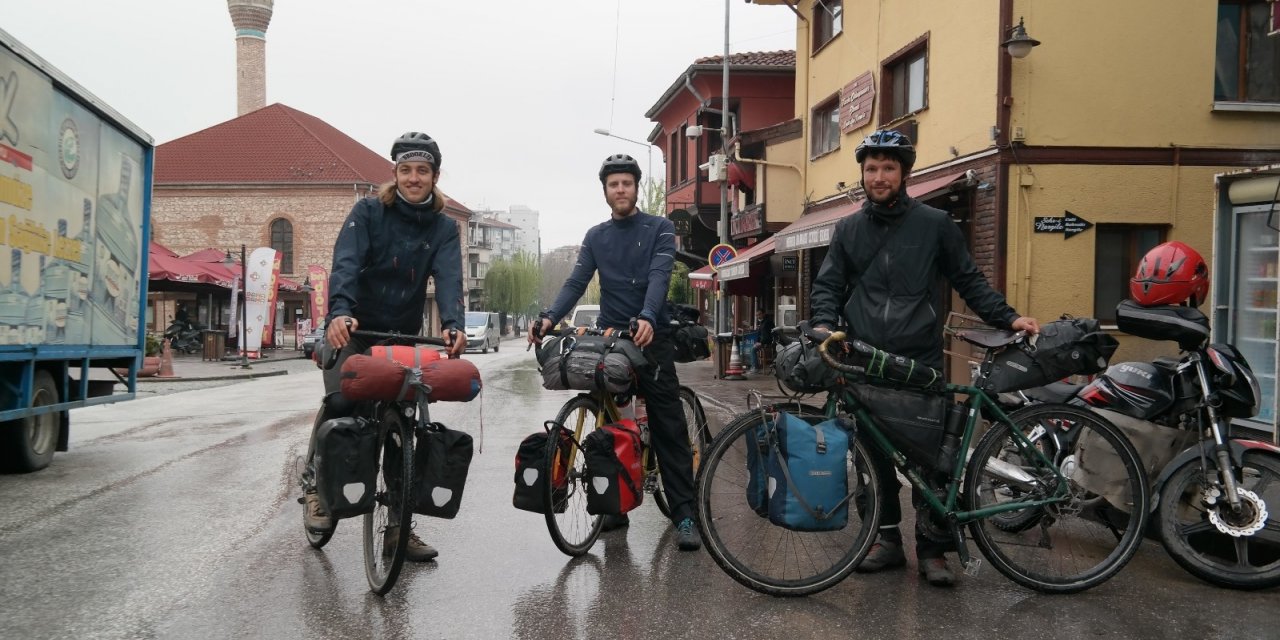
(990, 338)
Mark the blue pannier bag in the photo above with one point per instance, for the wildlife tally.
(758, 451)
(808, 484)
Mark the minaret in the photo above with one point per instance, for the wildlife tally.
(250, 18)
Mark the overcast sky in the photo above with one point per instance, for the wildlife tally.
(511, 89)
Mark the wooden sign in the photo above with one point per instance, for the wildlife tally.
(856, 102)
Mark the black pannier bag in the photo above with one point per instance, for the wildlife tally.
(691, 342)
(615, 476)
(590, 363)
(346, 463)
(531, 471)
(1063, 348)
(1185, 325)
(440, 465)
(914, 421)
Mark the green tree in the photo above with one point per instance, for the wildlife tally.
(511, 286)
(680, 291)
(653, 197)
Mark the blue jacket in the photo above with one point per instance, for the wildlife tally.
(381, 262)
(634, 257)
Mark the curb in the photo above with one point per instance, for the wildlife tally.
(234, 376)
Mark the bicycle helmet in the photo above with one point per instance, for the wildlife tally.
(422, 143)
(619, 163)
(1170, 273)
(891, 143)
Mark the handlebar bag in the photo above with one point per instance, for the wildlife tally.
(455, 380)
(590, 363)
(808, 479)
(800, 368)
(615, 473)
(531, 471)
(413, 356)
(346, 462)
(440, 464)
(913, 421)
(1063, 348)
(373, 378)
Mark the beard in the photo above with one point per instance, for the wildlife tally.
(623, 206)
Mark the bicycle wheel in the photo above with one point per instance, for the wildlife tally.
(1248, 557)
(391, 512)
(1080, 541)
(572, 529)
(695, 420)
(765, 557)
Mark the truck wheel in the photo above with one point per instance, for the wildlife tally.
(28, 444)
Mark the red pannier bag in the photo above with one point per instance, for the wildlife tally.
(373, 378)
(615, 474)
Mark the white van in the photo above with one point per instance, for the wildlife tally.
(584, 315)
(483, 331)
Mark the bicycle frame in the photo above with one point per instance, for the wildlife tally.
(610, 412)
(978, 401)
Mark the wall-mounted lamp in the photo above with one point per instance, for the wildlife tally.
(1019, 43)
(698, 129)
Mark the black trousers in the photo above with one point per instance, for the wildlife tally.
(891, 508)
(668, 433)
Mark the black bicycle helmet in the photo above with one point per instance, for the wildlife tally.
(415, 141)
(619, 163)
(888, 142)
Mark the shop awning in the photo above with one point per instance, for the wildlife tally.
(740, 267)
(814, 230)
(703, 278)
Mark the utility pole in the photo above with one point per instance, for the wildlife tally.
(722, 308)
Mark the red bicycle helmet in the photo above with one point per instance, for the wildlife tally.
(1170, 273)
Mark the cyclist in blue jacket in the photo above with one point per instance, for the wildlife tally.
(634, 252)
(388, 246)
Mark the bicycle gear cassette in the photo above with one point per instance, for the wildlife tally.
(1250, 519)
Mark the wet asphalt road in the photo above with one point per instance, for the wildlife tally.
(174, 516)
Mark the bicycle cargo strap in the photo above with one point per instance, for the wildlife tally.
(599, 375)
(795, 490)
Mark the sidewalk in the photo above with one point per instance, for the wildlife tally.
(727, 398)
(193, 368)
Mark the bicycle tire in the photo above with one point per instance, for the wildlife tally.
(391, 505)
(1101, 522)
(695, 418)
(758, 554)
(1246, 562)
(572, 529)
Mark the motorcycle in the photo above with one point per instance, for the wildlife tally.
(1212, 486)
(184, 337)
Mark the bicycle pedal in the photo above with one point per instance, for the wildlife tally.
(972, 567)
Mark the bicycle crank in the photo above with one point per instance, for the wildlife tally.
(1246, 521)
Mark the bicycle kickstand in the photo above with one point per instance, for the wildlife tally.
(971, 564)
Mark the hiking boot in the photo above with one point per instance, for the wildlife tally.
(611, 522)
(936, 571)
(314, 516)
(687, 535)
(415, 550)
(883, 555)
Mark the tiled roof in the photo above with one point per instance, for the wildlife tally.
(496, 223)
(754, 58)
(276, 144)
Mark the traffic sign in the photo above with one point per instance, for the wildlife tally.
(721, 254)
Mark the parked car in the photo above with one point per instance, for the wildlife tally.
(312, 340)
(483, 331)
(584, 315)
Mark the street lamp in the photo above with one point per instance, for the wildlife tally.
(648, 147)
(244, 311)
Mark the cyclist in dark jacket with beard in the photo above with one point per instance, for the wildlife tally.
(388, 246)
(881, 275)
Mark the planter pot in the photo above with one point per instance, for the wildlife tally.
(150, 366)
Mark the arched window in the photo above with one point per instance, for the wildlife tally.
(282, 241)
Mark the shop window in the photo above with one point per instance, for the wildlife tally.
(904, 82)
(1120, 247)
(684, 152)
(673, 160)
(828, 21)
(1247, 64)
(825, 136)
(282, 241)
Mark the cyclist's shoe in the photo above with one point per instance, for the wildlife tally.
(415, 550)
(885, 554)
(315, 517)
(936, 571)
(611, 522)
(687, 536)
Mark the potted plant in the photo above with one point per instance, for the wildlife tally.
(151, 356)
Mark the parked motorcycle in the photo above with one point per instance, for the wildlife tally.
(184, 337)
(1213, 486)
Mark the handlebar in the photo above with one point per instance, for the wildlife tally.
(391, 338)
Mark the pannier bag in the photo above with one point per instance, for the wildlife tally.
(800, 368)
(758, 451)
(1063, 348)
(692, 342)
(440, 461)
(808, 483)
(590, 363)
(346, 462)
(914, 421)
(412, 356)
(373, 378)
(531, 471)
(615, 474)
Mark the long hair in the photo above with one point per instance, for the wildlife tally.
(387, 195)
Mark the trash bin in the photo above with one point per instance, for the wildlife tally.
(724, 350)
(215, 344)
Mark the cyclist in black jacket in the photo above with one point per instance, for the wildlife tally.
(881, 275)
(633, 253)
(388, 246)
